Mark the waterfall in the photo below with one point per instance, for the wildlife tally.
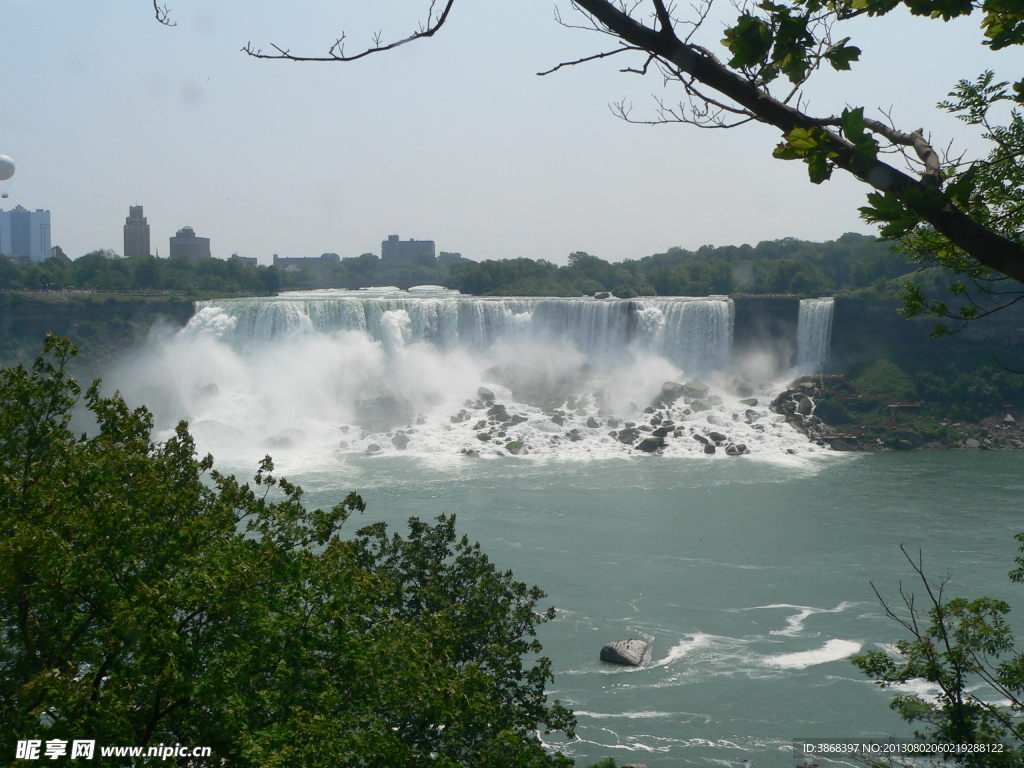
(813, 334)
(315, 377)
(693, 333)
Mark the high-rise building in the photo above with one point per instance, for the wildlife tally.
(25, 233)
(185, 243)
(136, 233)
(416, 251)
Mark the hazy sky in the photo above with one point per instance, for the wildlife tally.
(453, 139)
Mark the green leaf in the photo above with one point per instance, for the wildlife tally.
(841, 55)
(749, 42)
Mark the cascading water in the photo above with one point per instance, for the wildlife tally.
(695, 334)
(813, 334)
(324, 374)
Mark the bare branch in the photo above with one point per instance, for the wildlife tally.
(163, 14)
(596, 56)
(337, 51)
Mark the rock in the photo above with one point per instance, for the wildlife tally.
(470, 453)
(743, 389)
(628, 436)
(645, 428)
(718, 437)
(400, 441)
(372, 448)
(1008, 419)
(484, 436)
(913, 440)
(593, 423)
(709, 448)
(648, 409)
(700, 438)
(480, 424)
(736, 449)
(698, 405)
(972, 443)
(485, 394)
(343, 444)
(662, 432)
(515, 447)
(420, 420)
(558, 419)
(651, 444)
(713, 400)
(749, 401)
(632, 653)
(670, 392)
(207, 390)
(804, 406)
(752, 416)
(613, 423)
(517, 419)
(696, 390)
(498, 413)
(840, 445)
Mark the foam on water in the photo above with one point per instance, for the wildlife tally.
(833, 650)
(316, 377)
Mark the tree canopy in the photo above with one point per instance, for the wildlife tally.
(146, 598)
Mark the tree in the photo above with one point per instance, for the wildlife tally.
(957, 645)
(145, 598)
(962, 215)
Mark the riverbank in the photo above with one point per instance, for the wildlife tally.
(831, 410)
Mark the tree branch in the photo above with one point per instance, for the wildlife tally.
(337, 51)
(987, 247)
(596, 56)
(163, 14)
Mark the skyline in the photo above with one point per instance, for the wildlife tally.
(453, 139)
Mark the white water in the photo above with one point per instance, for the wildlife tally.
(813, 334)
(313, 377)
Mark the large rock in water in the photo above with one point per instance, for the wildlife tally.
(632, 653)
(670, 392)
(695, 389)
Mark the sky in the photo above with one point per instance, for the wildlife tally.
(453, 139)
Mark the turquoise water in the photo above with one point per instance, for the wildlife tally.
(752, 580)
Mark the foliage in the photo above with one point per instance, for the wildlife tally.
(787, 266)
(959, 646)
(833, 412)
(106, 271)
(991, 190)
(147, 598)
(885, 379)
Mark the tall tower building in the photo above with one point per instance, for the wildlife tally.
(25, 233)
(136, 233)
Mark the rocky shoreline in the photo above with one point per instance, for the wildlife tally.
(830, 411)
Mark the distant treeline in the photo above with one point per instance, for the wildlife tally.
(857, 264)
(107, 271)
(789, 266)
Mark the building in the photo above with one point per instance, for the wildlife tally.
(58, 253)
(25, 233)
(185, 243)
(310, 263)
(136, 233)
(416, 251)
(251, 260)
